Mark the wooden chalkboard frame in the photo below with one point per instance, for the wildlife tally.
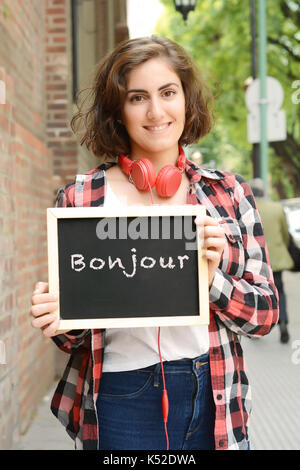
(54, 214)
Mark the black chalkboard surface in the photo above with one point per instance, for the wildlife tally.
(139, 266)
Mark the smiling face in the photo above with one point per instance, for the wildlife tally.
(154, 109)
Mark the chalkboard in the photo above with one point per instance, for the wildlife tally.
(127, 267)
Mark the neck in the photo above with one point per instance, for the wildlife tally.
(158, 159)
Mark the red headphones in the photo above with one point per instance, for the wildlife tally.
(142, 174)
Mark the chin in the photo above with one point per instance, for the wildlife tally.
(161, 145)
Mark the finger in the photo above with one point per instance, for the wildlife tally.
(205, 220)
(214, 231)
(51, 329)
(214, 243)
(211, 255)
(42, 298)
(210, 221)
(44, 320)
(41, 309)
(199, 220)
(41, 287)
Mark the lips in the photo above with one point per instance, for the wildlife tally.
(158, 128)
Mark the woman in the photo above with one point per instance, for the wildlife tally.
(148, 100)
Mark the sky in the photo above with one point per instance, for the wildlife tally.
(142, 16)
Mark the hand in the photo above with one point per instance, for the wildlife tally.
(213, 244)
(43, 308)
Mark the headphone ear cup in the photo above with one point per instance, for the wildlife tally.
(168, 181)
(143, 173)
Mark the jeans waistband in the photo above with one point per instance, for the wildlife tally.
(180, 365)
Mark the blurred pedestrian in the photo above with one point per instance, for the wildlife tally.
(277, 238)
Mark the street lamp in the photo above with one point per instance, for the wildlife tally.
(184, 7)
(255, 151)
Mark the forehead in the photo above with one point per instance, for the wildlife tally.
(152, 74)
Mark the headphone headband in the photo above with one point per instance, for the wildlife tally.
(142, 174)
(126, 163)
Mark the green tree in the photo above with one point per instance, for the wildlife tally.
(218, 37)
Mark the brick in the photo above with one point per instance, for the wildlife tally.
(5, 325)
(56, 30)
(55, 49)
(55, 11)
(60, 39)
(59, 20)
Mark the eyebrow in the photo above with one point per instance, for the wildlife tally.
(160, 88)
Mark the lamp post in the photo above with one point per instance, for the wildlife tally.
(255, 151)
(263, 92)
(184, 7)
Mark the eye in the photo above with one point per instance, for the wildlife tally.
(137, 98)
(169, 93)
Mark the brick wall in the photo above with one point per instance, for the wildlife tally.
(25, 192)
(60, 137)
(8, 309)
(38, 154)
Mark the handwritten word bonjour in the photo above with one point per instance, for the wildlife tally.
(147, 262)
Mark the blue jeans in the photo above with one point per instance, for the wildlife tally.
(129, 407)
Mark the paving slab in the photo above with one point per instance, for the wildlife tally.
(274, 374)
(45, 431)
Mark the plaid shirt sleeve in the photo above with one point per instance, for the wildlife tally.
(246, 303)
(78, 340)
(243, 300)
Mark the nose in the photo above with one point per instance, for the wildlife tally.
(155, 110)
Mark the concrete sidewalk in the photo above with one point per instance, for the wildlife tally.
(45, 431)
(274, 374)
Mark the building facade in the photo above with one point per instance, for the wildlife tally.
(48, 52)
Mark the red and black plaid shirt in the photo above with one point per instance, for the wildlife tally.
(243, 301)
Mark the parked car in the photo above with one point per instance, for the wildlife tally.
(291, 209)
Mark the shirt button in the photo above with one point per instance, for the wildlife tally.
(221, 443)
(219, 397)
(215, 350)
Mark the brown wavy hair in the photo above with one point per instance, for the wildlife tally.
(103, 132)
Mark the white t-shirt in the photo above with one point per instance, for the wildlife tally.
(135, 348)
